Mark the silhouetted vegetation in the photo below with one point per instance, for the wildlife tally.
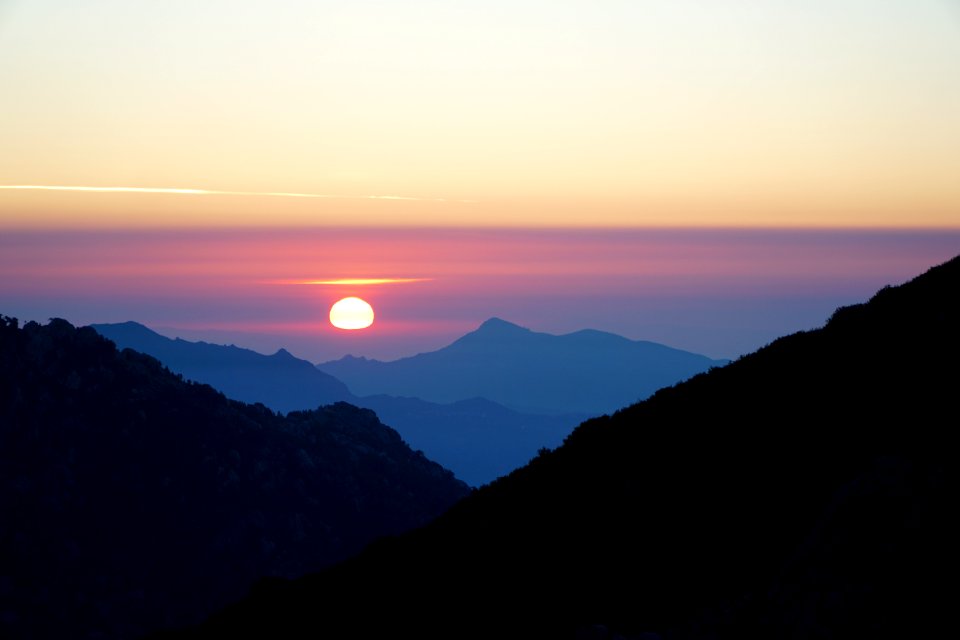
(132, 500)
(803, 491)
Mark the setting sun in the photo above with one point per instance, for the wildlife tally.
(351, 313)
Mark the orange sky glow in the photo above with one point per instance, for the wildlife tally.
(524, 113)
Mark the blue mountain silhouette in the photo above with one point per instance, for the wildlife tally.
(477, 439)
(588, 372)
(280, 381)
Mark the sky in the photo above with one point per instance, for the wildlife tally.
(720, 292)
(709, 174)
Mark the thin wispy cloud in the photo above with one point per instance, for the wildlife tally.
(215, 192)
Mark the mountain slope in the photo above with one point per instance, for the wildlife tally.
(477, 439)
(805, 490)
(131, 500)
(588, 372)
(280, 381)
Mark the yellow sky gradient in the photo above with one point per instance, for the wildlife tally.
(520, 113)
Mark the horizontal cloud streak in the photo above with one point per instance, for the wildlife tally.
(214, 192)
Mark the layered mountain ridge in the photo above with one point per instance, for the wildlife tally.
(479, 440)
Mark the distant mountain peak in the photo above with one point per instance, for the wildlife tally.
(352, 358)
(129, 325)
(500, 325)
(495, 331)
(123, 333)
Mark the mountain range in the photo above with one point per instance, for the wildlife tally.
(477, 438)
(587, 372)
(131, 500)
(806, 490)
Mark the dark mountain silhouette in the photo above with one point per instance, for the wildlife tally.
(477, 439)
(804, 491)
(131, 500)
(588, 372)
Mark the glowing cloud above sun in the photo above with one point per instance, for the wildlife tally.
(351, 282)
(364, 281)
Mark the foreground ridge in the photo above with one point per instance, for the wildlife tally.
(131, 500)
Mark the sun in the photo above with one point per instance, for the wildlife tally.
(351, 313)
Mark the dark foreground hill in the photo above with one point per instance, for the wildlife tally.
(587, 372)
(804, 491)
(131, 500)
(477, 439)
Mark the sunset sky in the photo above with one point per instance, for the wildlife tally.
(709, 174)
